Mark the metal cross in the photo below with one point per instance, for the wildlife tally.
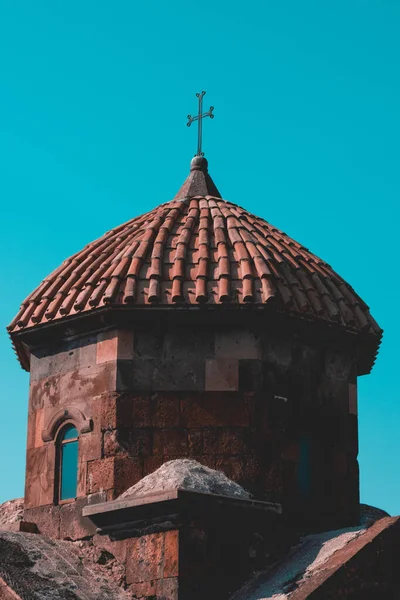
(200, 118)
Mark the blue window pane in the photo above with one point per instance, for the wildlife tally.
(70, 433)
(69, 470)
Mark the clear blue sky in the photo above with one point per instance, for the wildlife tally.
(93, 103)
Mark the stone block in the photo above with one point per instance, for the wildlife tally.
(187, 344)
(164, 410)
(135, 441)
(353, 409)
(167, 589)
(47, 484)
(31, 433)
(134, 410)
(179, 375)
(151, 464)
(136, 375)
(236, 344)
(225, 441)
(278, 352)
(111, 445)
(171, 554)
(105, 411)
(117, 548)
(83, 384)
(114, 345)
(40, 366)
(44, 392)
(337, 365)
(87, 352)
(146, 590)
(32, 491)
(46, 518)
(148, 344)
(145, 558)
(36, 461)
(89, 446)
(251, 375)
(107, 347)
(214, 410)
(222, 374)
(82, 480)
(234, 467)
(195, 441)
(100, 475)
(127, 472)
(125, 345)
(170, 442)
(73, 525)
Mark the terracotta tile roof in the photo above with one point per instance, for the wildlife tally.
(196, 250)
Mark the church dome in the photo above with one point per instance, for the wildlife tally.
(197, 250)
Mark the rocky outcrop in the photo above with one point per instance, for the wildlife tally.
(11, 512)
(35, 567)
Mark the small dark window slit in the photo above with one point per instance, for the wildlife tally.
(68, 463)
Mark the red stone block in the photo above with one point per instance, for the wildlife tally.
(170, 442)
(32, 491)
(233, 467)
(195, 440)
(100, 475)
(145, 558)
(111, 445)
(117, 548)
(89, 446)
(171, 554)
(36, 461)
(127, 472)
(151, 464)
(225, 440)
(82, 480)
(219, 409)
(106, 409)
(35, 428)
(165, 411)
(107, 347)
(134, 411)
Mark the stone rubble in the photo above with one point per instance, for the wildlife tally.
(189, 475)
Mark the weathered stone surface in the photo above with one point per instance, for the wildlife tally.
(36, 567)
(187, 474)
(11, 512)
(358, 563)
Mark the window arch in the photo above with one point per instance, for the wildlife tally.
(67, 462)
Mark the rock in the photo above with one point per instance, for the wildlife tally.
(186, 474)
(11, 512)
(34, 566)
(370, 514)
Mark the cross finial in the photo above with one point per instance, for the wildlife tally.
(200, 118)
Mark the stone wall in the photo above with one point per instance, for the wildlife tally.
(277, 415)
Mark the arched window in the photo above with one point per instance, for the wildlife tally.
(68, 463)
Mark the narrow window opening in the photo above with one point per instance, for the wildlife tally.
(68, 463)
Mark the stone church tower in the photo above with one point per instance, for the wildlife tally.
(195, 330)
